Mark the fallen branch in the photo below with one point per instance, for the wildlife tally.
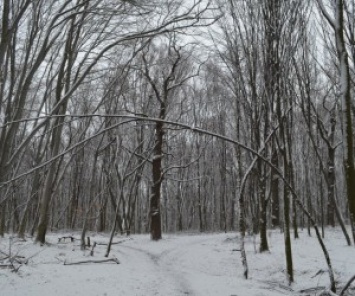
(347, 285)
(10, 266)
(115, 260)
(321, 271)
(313, 289)
(19, 259)
(12, 257)
(342, 292)
(6, 266)
(114, 243)
(15, 258)
(278, 286)
(327, 293)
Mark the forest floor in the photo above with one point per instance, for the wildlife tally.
(181, 264)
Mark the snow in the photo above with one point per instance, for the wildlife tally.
(179, 264)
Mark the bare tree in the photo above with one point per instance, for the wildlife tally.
(338, 25)
(57, 64)
(163, 86)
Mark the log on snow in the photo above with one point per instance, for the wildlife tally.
(115, 260)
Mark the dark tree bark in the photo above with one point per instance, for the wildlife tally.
(174, 76)
(157, 172)
(275, 194)
(338, 25)
(345, 81)
(63, 83)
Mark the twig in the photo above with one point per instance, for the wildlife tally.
(321, 271)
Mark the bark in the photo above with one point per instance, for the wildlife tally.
(332, 204)
(33, 196)
(223, 176)
(286, 198)
(91, 200)
(275, 203)
(288, 246)
(264, 246)
(347, 101)
(162, 93)
(242, 229)
(63, 83)
(199, 194)
(338, 25)
(157, 173)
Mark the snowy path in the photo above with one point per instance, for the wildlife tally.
(171, 277)
(177, 265)
(187, 266)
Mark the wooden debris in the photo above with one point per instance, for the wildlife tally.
(347, 286)
(312, 289)
(321, 271)
(115, 260)
(64, 238)
(92, 249)
(278, 287)
(114, 243)
(6, 266)
(327, 293)
(12, 262)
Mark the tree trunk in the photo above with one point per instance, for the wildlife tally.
(287, 236)
(264, 246)
(155, 214)
(345, 81)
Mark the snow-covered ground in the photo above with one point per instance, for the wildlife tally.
(185, 264)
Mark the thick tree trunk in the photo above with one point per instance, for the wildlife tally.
(33, 196)
(242, 230)
(264, 246)
(275, 192)
(287, 236)
(199, 192)
(155, 214)
(3, 210)
(44, 203)
(222, 196)
(345, 81)
(63, 83)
